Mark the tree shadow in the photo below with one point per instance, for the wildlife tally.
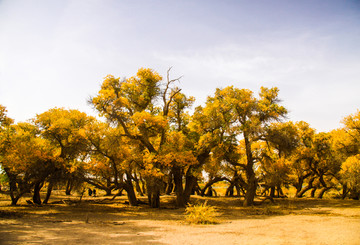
(76, 223)
(70, 231)
(230, 208)
(95, 222)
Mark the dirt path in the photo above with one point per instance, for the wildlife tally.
(286, 222)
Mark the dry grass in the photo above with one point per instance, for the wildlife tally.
(201, 214)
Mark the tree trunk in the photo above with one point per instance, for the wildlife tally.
(138, 189)
(190, 185)
(280, 192)
(299, 185)
(238, 189)
(36, 195)
(13, 196)
(129, 188)
(265, 190)
(13, 187)
(154, 199)
(179, 189)
(196, 189)
(312, 194)
(250, 174)
(69, 186)
(137, 185)
(210, 183)
(345, 191)
(250, 190)
(48, 192)
(169, 183)
(14, 200)
(169, 188)
(153, 190)
(324, 185)
(272, 191)
(108, 188)
(108, 191)
(308, 187)
(355, 195)
(143, 182)
(209, 192)
(131, 194)
(322, 192)
(230, 190)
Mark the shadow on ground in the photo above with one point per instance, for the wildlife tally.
(103, 221)
(78, 229)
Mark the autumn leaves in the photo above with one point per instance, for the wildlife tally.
(149, 143)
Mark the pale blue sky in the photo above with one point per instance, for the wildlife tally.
(56, 53)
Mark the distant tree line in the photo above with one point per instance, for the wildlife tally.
(148, 142)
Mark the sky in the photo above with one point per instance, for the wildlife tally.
(56, 53)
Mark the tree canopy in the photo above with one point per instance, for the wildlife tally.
(149, 140)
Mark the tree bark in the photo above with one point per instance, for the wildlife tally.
(272, 191)
(14, 200)
(36, 195)
(169, 188)
(308, 187)
(129, 188)
(345, 191)
(230, 190)
(322, 192)
(211, 182)
(153, 191)
(190, 184)
(236, 182)
(250, 174)
(69, 187)
(299, 184)
(108, 188)
(312, 194)
(209, 192)
(13, 187)
(48, 192)
(280, 192)
(154, 199)
(131, 194)
(179, 189)
(238, 189)
(251, 189)
(138, 189)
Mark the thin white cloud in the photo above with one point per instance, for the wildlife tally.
(55, 53)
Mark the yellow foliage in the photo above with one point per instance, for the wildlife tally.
(149, 121)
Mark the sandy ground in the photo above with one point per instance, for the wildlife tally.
(99, 221)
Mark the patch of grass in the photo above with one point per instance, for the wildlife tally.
(271, 210)
(201, 214)
(267, 210)
(288, 205)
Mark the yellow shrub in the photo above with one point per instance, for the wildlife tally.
(201, 214)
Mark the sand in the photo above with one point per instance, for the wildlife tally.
(101, 221)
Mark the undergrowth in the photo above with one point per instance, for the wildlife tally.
(201, 214)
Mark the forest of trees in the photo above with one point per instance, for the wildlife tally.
(149, 141)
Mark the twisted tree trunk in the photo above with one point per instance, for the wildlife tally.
(48, 192)
(36, 195)
(308, 187)
(153, 191)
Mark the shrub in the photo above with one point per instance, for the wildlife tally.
(201, 214)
